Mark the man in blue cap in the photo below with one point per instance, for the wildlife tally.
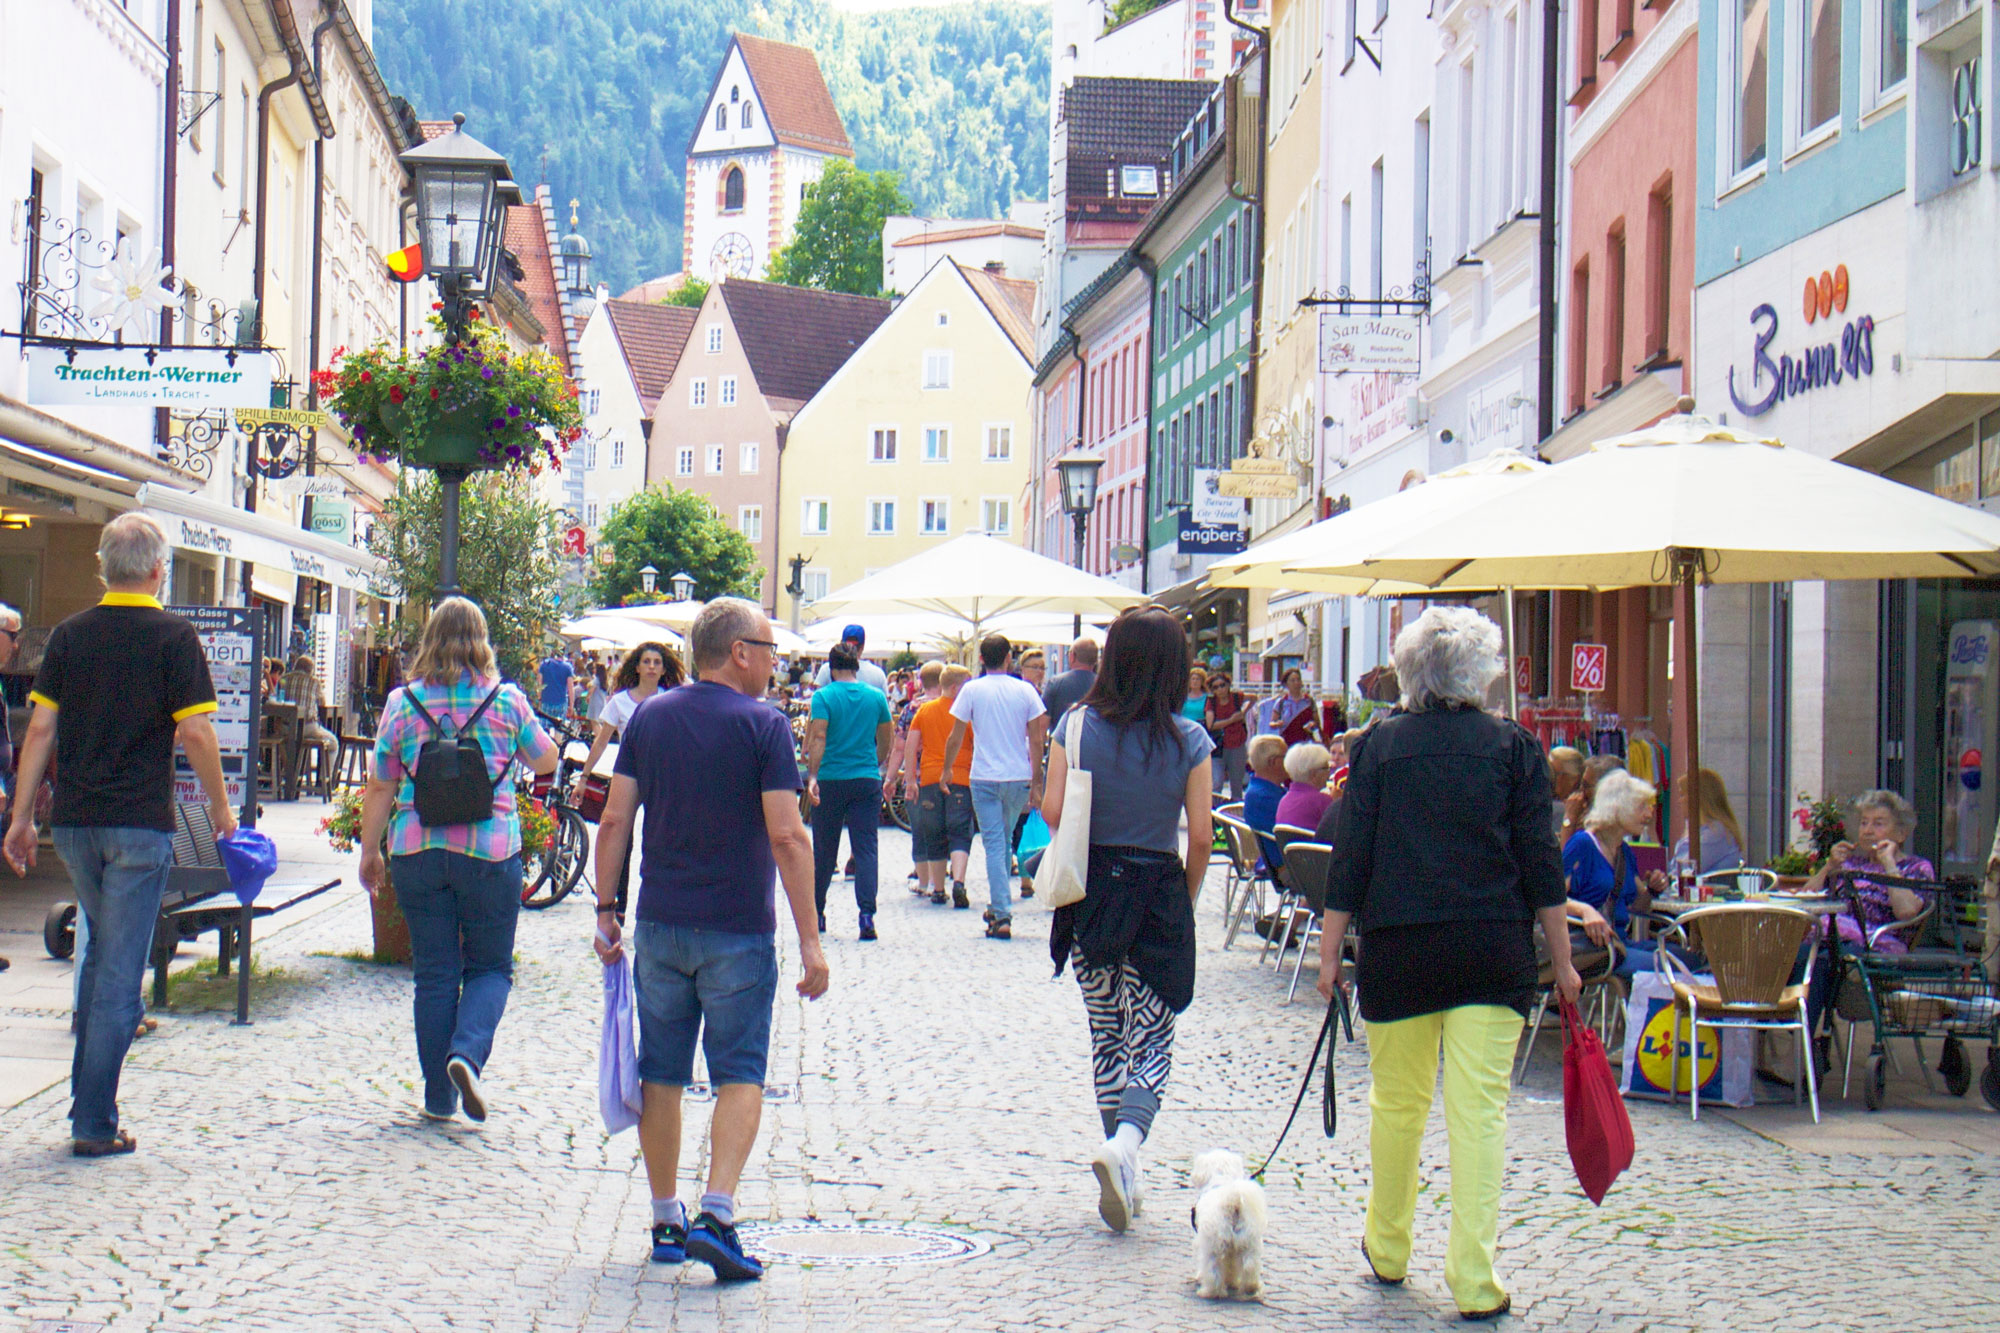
(856, 638)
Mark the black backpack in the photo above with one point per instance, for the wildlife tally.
(453, 783)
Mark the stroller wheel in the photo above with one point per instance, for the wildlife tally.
(1876, 1084)
(1957, 1070)
(59, 930)
(1989, 1082)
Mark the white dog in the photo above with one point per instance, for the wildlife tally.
(1228, 1229)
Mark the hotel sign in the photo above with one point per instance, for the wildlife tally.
(192, 379)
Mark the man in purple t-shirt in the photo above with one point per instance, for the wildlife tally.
(715, 769)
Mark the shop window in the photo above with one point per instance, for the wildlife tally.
(1989, 455)
(1956, 475)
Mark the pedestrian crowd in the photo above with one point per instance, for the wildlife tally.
(1467, 870)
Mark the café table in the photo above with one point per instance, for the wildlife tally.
(288, 727)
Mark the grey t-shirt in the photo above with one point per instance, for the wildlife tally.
(1137, 779)
(1065, 690)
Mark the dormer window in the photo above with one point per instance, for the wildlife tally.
(1141, 180)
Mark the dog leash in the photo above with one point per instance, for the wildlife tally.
(1329, 1114)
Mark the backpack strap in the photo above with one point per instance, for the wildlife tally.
(462, 727)
(480, 711)
(410, 693)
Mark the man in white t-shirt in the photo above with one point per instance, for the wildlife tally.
(856, 638)
(1006, 713)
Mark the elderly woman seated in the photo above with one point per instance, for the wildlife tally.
(1604, 885)
(1305, 799)
(1884, 823)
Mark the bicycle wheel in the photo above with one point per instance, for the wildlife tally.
(893, 806)
(574, 847)
(548, 878)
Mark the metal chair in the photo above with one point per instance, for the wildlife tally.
(1597, 968)
(1745, 881)
(1244, 884)
(1306, 866)
(1752, 949)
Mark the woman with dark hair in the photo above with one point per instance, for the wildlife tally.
(1131, 939)
(1292, 714)
(646, 670)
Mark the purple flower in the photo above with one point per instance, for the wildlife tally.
(487, 373)
(512, 411)
(498, 424)
(514, 451)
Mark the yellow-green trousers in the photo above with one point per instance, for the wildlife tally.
(1478, 1041)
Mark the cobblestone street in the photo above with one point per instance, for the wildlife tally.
(284, 1180)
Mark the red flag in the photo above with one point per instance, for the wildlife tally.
(406, 264)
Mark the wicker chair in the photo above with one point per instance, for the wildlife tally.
(1752, 950)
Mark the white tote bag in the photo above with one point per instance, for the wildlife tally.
(1066, 864)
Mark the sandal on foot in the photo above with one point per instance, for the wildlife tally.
(120, 1142)
(1481, 1316)
(1372, 1272)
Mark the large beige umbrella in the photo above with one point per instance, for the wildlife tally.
(620, 632)
(1686, 501)
(1297, 560)
(973, 579)
(673, 615)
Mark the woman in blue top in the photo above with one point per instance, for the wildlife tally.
(1604, 884)
(1131, 939)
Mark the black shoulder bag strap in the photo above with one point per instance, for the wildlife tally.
(1329, 1112)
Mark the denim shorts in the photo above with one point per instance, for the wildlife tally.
(941, 823)
(707, 984)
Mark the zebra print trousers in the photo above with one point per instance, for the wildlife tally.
(1131, 1043)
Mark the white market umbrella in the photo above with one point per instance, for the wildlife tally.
(930, 632)
(672, 615)
(619, 632)
(974, 579)
(1687, 501)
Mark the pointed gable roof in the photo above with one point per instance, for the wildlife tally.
(652, 338)
(795, 338)
(1011, 302)
(527, 239)
(797, 105)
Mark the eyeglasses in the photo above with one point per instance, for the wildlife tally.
(762, 643)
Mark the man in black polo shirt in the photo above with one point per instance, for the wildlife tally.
(119, 684)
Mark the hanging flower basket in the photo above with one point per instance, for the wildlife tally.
(480, 404)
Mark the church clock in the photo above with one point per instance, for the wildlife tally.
(732, 257)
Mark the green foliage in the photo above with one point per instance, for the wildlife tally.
(600, 100)
(509, 558)
(674, 531)
(1131, 9)
(837, 245)
(692, 293)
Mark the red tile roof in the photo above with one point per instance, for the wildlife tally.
(972, 233)
(795, 97)
(652, 337)
(1012, 302)
(527, 237)
(795, 337)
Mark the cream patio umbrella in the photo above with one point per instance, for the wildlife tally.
(1687, 501)
(973, 580)
(620, 632)
(677, 616)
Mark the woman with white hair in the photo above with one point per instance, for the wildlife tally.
(1444, 857)
(1305, 799)
(1604, 884)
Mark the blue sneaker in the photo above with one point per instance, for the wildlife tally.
(669, 1243)
(714, 1243)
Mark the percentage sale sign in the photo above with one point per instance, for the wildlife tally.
(1587, 667)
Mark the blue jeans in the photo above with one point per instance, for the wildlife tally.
(120, 875)
(461, 912)
(856, 804)
(999, 806)
(706, 984)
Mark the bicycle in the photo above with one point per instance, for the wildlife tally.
(553, 874)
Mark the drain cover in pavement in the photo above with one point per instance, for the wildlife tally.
(857, 1243)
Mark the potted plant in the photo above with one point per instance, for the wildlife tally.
(478, 404)
(342, 830)
(1820, 827)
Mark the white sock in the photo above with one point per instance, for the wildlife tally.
(1128, 1138)
(670, 1210)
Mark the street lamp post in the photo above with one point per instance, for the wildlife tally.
(463, 189)
(648, 576)
(1078, 475)
(683, 586)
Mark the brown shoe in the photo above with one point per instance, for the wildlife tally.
(121, 1142)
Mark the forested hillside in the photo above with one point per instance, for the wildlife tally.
(598, 98)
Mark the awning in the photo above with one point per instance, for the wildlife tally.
(195, 524)
(1292, 645)
(41, 430)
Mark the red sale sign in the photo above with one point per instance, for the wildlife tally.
(1524, 674)
(1587, 667)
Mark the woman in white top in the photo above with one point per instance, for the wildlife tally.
(646, 670)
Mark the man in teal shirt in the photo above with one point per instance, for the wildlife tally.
(847, 745)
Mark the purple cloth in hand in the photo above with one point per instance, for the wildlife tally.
(618, 1098)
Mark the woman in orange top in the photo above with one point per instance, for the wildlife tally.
(941, 821)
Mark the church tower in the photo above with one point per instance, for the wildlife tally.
(768, 131)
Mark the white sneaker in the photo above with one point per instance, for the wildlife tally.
(1117, 1185)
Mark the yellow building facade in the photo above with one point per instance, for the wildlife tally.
(920, 437)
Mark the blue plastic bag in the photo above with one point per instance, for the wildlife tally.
(251, 858)
(1035, 835)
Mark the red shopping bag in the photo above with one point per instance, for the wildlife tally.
(1599, 1131)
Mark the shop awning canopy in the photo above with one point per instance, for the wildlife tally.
(195, 524)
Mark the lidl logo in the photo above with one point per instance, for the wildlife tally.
(1656, 1052)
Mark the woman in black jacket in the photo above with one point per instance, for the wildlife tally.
(1445, 855)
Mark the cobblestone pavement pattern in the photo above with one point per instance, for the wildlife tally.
(285, 1182)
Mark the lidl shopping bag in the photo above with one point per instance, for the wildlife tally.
(1725, 1060)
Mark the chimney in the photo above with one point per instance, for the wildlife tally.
(996, 268)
